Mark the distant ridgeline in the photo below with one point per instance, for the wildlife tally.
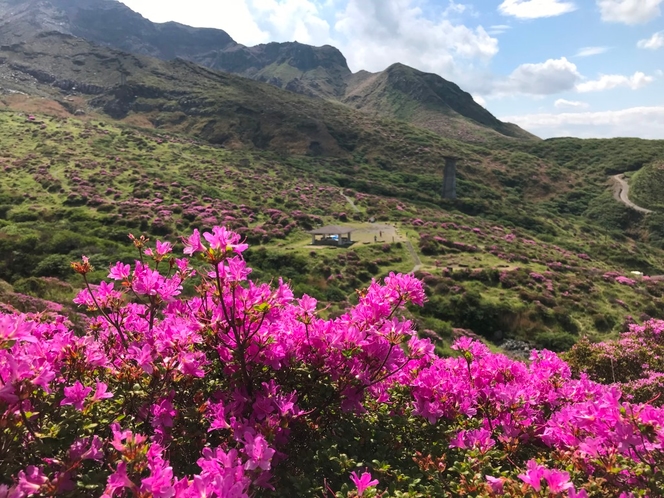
(398, 92)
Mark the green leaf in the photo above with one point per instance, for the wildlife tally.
(8, 344)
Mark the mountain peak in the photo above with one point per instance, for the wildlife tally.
(314, 71)
(427, 100)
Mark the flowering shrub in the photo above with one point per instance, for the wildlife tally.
(635, 362)
(240, 390)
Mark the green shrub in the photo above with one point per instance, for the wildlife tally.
(555, 341)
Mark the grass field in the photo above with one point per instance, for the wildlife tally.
(79, 186)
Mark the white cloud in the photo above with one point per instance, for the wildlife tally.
(544, 78)
(534, 9)
(629, 11)
(234, 17)
(609, 81)
(480, 100)
(380, 32)
(654, 42)
(570, 104)
(644, 122)
(249, 22)
(290, 20)
(498, 29)
(454, 8)
(588, 51)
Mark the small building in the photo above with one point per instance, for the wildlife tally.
(332, 235)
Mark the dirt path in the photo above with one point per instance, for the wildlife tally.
(413, 254)
(621, 193)
(350, 201)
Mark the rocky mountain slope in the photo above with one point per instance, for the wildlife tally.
(107, 22)
(424, 99)
(400, 92)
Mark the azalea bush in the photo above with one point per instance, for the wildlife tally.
(634, 362)
(242, 389)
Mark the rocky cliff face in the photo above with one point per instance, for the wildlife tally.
(21, 20)
(315, 71)
(111, 23)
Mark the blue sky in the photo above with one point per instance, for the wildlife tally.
(590, 68)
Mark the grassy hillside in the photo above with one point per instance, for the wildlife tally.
(534, 248)
(72, 187)
(646, 186)
(377, 156)
(587, 165)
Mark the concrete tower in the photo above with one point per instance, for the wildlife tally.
(449, 178)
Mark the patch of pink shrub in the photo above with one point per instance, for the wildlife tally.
(224, 392)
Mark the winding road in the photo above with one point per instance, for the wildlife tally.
(621, 193)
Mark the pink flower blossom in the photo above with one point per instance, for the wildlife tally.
(119, 272)
(31, 481)
(193, 244)
(257, 450)
(75, 395)
(496, 484)
(363, 482)
(101, 392)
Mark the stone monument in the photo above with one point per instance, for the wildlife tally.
(449, 177)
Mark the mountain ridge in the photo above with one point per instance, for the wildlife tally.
(319, 72)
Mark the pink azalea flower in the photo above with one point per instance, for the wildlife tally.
(164, 248)
(75, 395)
(78, 449)
(192, 363)
(118, 480)
(163, 413)
(8, 394)
(16, 328)
(224, 240)
(96, 450)
(533, 475)
(31, 481)
(496, 484)
(363, 482)
(558, 481)
(120, 271)
(259, 452)
(160, 482)
(193, 244)
(101, 392)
